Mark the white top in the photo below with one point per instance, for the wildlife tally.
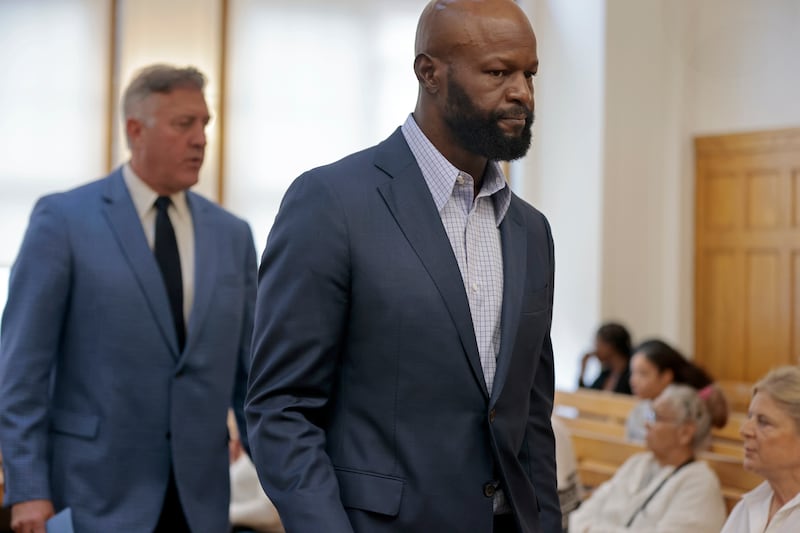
(570, 489)
(690, 501)
(181, 218)
(250, 506)
(750, 514)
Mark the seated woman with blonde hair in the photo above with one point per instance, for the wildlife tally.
(663, 489)
(772, 450)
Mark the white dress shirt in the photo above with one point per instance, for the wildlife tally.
(181, 218)
(750, 514)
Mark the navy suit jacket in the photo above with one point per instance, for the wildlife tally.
(367, 407)
(96, 402)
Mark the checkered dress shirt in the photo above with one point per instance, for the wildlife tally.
(472, 224)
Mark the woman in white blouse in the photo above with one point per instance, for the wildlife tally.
(772, 450)
(664, 489)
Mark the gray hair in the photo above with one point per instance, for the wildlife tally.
(783, 385)
(159, 78)
(689, 408)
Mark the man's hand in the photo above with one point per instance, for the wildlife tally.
(30, 516)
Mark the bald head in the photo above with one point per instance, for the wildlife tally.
(475, 61)
(446, 26)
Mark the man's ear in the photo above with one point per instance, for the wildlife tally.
(133, 130)
(427, 70)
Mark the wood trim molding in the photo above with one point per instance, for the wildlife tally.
(223, 78)
(751, 142)
(113, 64)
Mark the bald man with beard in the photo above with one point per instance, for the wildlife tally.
(402, 373)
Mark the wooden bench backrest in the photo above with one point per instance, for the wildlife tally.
(730, 432)
(614, 408)
(602, 448)
(611, 428)
(730, 472)
(597, 404)
(738, 394)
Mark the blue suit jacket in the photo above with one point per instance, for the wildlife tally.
(367, 407)
(96, 402)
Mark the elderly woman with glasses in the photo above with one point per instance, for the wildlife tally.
(772, 450)
(663, 489)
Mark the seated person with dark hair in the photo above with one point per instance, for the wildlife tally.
(612, 348)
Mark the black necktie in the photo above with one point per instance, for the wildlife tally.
(166, 251)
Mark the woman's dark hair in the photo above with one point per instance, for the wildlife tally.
(616, 336)
(664, 357)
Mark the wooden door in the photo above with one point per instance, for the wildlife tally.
(747, 253)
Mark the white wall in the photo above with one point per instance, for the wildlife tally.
(743, 68)
(181, 33)
(642, 283)
(562, 176)
(53, 66)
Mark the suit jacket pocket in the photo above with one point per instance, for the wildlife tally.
(75, 424)
(370, 492)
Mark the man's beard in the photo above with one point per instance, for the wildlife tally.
(480, 133)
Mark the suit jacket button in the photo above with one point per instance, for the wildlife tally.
(491, 416)
(489, 489)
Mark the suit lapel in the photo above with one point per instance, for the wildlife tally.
(409, 200)
(127, 227)
(512, 235)
(205, 266)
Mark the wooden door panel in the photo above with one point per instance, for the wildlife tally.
(763, 199)
(724, 201)
(795, 198)
(722, 315)
(794, 312)
(747, 253)
(762, 313)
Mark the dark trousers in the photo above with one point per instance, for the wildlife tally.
(504, 523)
(172, 519)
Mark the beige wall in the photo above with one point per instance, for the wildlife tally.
(673, 69)
(180, 32)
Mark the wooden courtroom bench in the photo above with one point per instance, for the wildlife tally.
(738, 394)
(605, 413)
(593, 404)
(730, 433)
(611, 428)
(599, 456)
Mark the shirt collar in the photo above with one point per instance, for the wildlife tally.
(144, 197)
(763, 493)
(440, 175)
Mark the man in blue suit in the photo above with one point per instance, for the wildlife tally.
(402, 372)
(126, 333)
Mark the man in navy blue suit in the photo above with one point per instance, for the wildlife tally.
(402, 371)
(126, 335)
